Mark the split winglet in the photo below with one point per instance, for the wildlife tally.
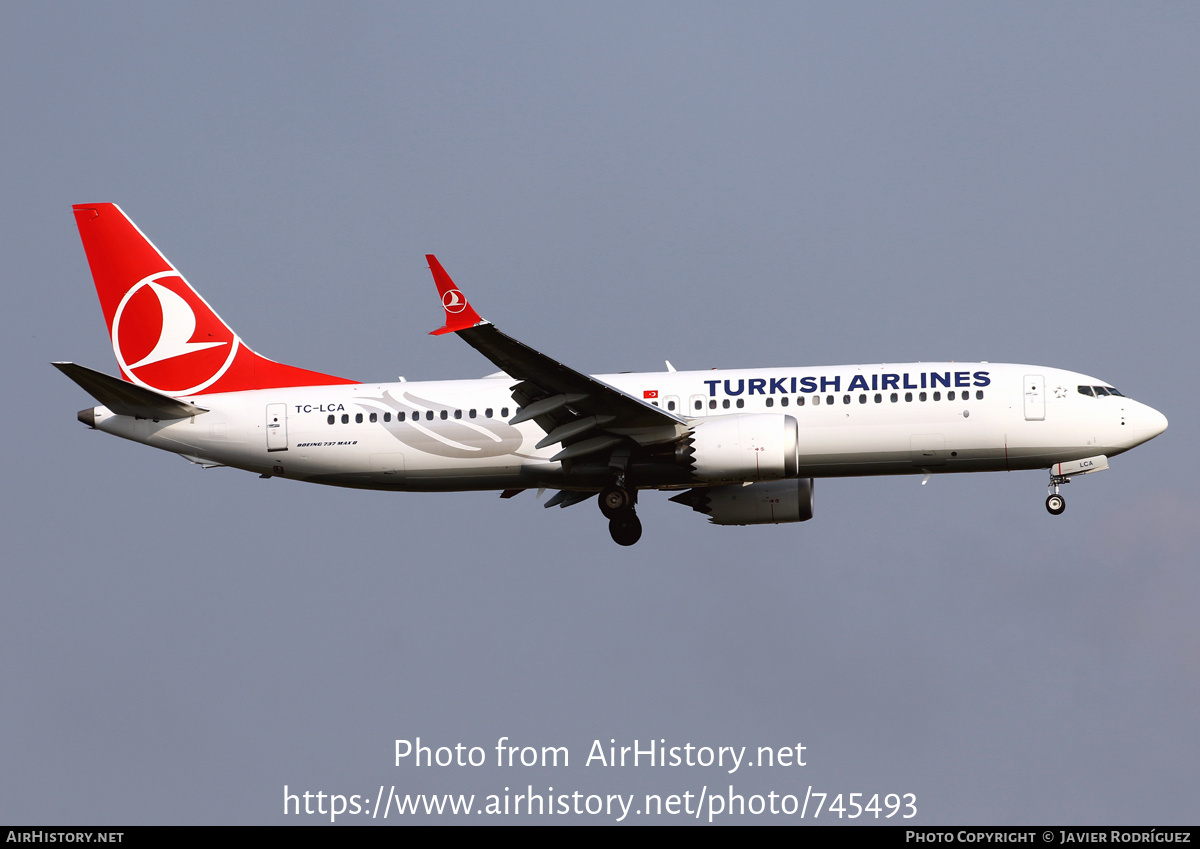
(459, 313)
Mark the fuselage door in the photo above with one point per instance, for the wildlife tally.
(277, 438)
(1035, 398)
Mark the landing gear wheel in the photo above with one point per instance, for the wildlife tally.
(615, 500)
(1055, 504)
(626, 528)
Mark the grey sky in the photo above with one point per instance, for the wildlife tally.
(774, 184)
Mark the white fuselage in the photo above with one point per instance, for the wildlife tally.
(853, 420)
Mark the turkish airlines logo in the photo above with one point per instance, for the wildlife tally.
(454, 302)
(167, 338)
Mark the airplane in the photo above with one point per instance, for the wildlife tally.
(742, 446)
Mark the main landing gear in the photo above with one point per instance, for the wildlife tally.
(1055, 503)
(617, 505)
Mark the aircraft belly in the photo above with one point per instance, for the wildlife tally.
(220, 440)
(949, 446)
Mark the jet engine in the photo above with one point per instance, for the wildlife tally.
(753, 447)
(766, 503)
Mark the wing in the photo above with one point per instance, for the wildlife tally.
(584, 415)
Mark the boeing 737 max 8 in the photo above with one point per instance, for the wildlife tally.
(742, 446)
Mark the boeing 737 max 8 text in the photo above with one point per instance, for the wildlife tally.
(742, 446)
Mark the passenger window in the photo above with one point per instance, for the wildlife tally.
(937, 396)
(816, 400)
(387, 417)
(330, 420)
(800, 401)
(487, 413)
(895, 397)
(712, 405)
(400, 417)
(358, 418)
(862, 399)
(950, 395)
(845, 399)
(458, 414)
(828, 399)
(429, 415)
(699, 405)
(770, 402)
(878, 398)
(783, 402)
(444, 415)
(907, 396)
(374, 418)
(471, 413)
(922, 396)
(979, 394)
(741, 403)
(725, 403)
(655, 403)
(671, 406)
(504, 412)
(345, 418)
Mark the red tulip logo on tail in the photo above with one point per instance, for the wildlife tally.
(165, 336)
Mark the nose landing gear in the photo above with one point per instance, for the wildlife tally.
(1061, 473)
(1055, 503)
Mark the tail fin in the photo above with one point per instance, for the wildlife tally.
(165, 336)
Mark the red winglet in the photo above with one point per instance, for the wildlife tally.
(459, 314)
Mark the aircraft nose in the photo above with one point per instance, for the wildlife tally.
(1150, 423)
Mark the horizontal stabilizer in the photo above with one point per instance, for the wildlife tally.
(127, 399)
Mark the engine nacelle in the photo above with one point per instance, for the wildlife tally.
(767, 503)
(752, 447)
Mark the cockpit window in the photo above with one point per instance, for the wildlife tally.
(1112, 391)
(1085, 390)
(1100, 391)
